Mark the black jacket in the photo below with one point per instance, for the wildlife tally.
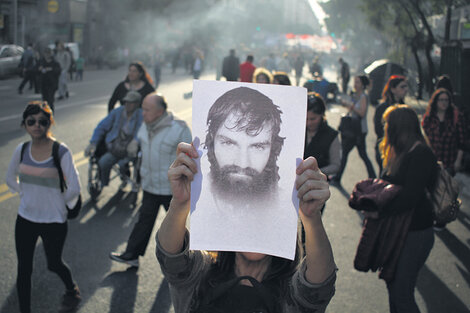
(320, 145)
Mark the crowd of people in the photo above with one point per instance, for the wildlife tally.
(406, 156)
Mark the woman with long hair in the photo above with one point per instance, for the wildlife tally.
(394, 92)
(42, 211)
(443, 124)
(137, 79)
(246, 281)
(358, 109)
(409, 163)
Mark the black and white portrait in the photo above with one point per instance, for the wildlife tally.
(250, 136)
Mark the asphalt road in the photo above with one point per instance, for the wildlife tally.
(107, 286)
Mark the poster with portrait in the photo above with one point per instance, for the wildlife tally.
(249, 138)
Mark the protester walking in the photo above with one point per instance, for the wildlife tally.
(42, 212)
(247, 69)
(137, 79)
(409, 163)
(79, 67)
(299, 67)
(394, 92)
(158, 139)
(28, 64)
(344, 75)
(358, 110)
(65, 60)
(50, 72)
(231, 67)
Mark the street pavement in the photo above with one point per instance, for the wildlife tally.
(102, 227)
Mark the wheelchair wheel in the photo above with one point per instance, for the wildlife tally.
(94, 179)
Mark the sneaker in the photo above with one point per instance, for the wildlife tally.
(124, 258)
(70, 300)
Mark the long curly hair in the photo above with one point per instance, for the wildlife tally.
(431, 110)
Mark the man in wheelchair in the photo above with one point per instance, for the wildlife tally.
(115, 134)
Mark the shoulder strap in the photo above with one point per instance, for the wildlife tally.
(23, 148)
(56, 158)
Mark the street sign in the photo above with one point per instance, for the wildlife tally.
(52, 6)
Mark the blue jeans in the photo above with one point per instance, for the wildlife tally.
(401, 291)
(106, 163)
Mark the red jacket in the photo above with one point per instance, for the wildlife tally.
(246, 72)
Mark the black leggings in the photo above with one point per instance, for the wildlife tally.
(347, 144)
(53, 238)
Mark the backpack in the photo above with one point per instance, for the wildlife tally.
(71, 212)
(444, 197)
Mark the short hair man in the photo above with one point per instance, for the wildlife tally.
(158, 138)
(247, 69)
(243, 144)
(231, 67)
(117, 130)
(345, 75)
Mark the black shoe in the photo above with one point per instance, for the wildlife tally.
(66, 94)
(20, 91)
(60, 98)
(126, 258)
(70, 300)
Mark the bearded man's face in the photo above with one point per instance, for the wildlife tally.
(241, 159)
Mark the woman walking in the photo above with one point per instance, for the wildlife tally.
(42, 211)
(137, 79)
(394, 92)
(358, 109)
(409, 163)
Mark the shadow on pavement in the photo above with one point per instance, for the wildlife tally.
(124, 286)
(162, 303)
(86, 250)
(437, 296)
(459, 249)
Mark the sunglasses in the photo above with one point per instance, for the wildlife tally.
(41, 122)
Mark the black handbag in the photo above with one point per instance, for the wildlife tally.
(350, 126)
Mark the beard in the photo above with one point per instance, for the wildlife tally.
(234, 183)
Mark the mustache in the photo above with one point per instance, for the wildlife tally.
(234, 169)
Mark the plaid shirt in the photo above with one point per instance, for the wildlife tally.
(446, 142)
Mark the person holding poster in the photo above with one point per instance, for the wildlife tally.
(243, 189)
(246, 281)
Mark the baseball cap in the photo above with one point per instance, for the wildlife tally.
(132, 96)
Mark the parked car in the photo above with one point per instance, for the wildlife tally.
(10, 57)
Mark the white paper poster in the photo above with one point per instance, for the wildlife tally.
(249, 137)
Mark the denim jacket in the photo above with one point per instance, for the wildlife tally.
(109, 127)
